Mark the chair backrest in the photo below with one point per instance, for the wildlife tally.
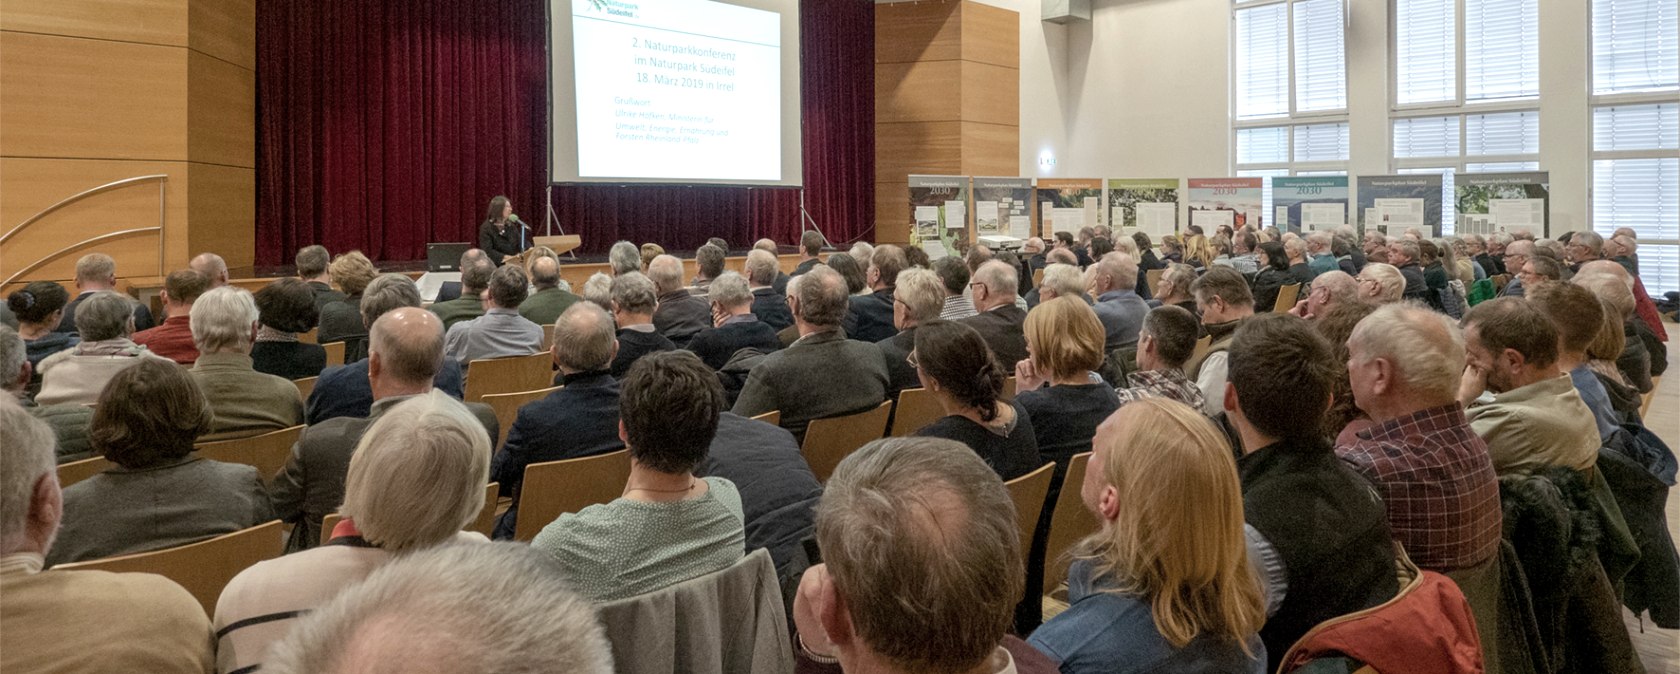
(506, 406)
(305, 386)
(558, 487)
(828, 441)
(335, 353)
(328, 523)
(268, 452)
(1028, 492)
(76, 471)
(1069, 522)
(1645, 404)
(1154, 276)
(308, 337)
(916, 408)
(1038, 277)
(483, 523)
(548, 336)
(1008, 387)
(512, 374)
(1500, 281)
(205, 567)
(1202, 346)
(746, 628)
(773, 417)
(1286, 298)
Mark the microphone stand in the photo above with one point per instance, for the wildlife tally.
(805, 217)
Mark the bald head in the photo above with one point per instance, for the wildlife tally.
(1606, 268)
(1331, 289)
(584, 339)
(406, 346)
(666, 272)
(545, 272)
(212, 266)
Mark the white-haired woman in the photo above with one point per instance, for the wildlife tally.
(104, 320)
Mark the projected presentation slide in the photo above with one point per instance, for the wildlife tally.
(677, 89)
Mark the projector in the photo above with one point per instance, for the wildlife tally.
(1000, 242)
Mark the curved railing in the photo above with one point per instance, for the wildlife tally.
(158, 178)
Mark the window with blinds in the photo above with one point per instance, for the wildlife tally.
(1501, 49)
(1290, 89)
(1425, 51)
(1635, 45)
(1262, 69)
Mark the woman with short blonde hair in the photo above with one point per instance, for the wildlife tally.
(1167, 578)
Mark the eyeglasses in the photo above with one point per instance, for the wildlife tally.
(911, 359)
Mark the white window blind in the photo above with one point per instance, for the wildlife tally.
(1269, 145)
(1262, 67)
(1426, 137)
(1636, 127)
(1321, 142)
(1502, 133)
(1641, 194)
(1501, 49)
(1426, 60)
(1320, 65)
(1636, 45)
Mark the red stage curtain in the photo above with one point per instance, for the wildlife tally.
(386, 124)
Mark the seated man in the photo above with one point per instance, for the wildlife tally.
(823, 374)
(1517, 255)
(146, 623)
(1404, 254)
(1311, 511)
(468, 302)
(953, 275)
(633, 302)
(1380, 283)
(545, 305)
(669, 526)
(1433, 472)
(501, 331)
(778, 491)
(69, 422)
(1578, 316)
(680, 314)
(1113, 281)
(781, 280)
(1535, 418)
(96, 272)
(312, 264)
(1000, 319)
(1060, 280)
(737, 327)
(708, 265)
(1165, 343)
(245, 402)
(173, 339)
(769, 289)
(869, 317)
(919, 298)
(344, 391)
(212, 266)
(811, 243)
(1331, 289)
(923, 517)
(405, 349)
(580, 419)
(1225, 301)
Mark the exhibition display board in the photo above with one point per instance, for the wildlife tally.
(1307, 204)
(1148, 205)
(1068, 204)
(938, 212)
(1228, 202)
(1500, 202)
(1392, 204)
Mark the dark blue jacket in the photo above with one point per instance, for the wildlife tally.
(714, 346)
(778, 491)
(576, 421)
(870, 317)
(770, 305)
(344, 391)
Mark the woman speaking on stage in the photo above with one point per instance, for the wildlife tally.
(502, 233)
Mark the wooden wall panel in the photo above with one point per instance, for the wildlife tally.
(31, 185)
(917, 147)
(221, 112)
(991, 35)
(990, 94)
(223, 208)
(161, 22)
(225, 29)
(906, 32)
(892, 212)
(990, 149)
(92, 99)
(922, 91)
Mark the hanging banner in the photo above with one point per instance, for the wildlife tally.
(939, 212)
(1502, 202)
(1396, 203)
(1148, 205)
(1227, 202)
(1306, 204)
(1068, 205)
(1003, 206)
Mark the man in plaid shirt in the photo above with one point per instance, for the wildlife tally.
(1165, 343)
(1433, 472)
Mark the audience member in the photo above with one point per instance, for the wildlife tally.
(680, 315)
(243, 401)
(1636, 329)
(1033, 250)
(708, 265)
(1320, 257)
(598, 289)
(1224, 301)
(346, 390)
(736, 327)
(1381, 283)
(953, 275)
(1246, 248)
(823, 374)
(82, 621)
(501, 331)
(668, 526)
(286, 308)
(1299, 270)
(999, 319)
(1060, 280)
(769, 290)
(78, 374)
(851, 272)
(405, 350)
(1165, 585)
(1537, 270)
(624, 258)
(1113, 282)
(1174, 288)
(1579, 318)
(810, 245)
(954, 365)
(159, 494)
(919, 298)
(1432, 471)
(869, 317)
(454, 608)
(173, 338)
(550, 300)
(579, 419)
(1310, 510)
(650, 251)
(415, 479)
(39, 306)
(212, 266)
(1331, 289)
(634, 298)
(1166, 342)
(1344, 418)
(69, 422)
(979, 255)
(1055, 382)
(1584, 247)
(914, 518)
(1406, 256)
(475, 279)
(97, 272)
(781, 278)
(1535, 418)
(312, 263)
(341, 320)
(862, 252)
(1626, 252)
(1618, 344)
(1517, 255)
(778, 490)
(1349, 258)
(1273, 274)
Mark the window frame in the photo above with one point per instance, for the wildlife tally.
(1294, 117)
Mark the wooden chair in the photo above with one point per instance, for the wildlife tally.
(773, 417)
(1028, 492)
(1499, 283)
(305, 386)
(558, 487)
(1154, 276)
(1069, 522)
(203, 568)
(1645, 405)
(827, 441)
(335, 353)
(490, 376)
(1008, 387)
(1038, 277)
(483, 523)
(1202, 346)
(548, 336)
(268, 452)
(506, 406)
(308, 337)
(1286, 298)
(328, 523)
(76, 471)
(916, 408)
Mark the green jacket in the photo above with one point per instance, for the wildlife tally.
(69, 424)
(544, 306)
(459, 309)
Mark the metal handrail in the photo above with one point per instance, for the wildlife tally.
(125, 182)
(98, 239)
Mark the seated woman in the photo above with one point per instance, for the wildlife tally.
(104, 321)
(1165, 585)
(39, 307)
(1064, 346)
(341, 320)
(1273, 275)
(285, 308)
(416, 479)
(955, 365)
(160, 494)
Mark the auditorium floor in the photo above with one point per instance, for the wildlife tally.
(1658, 648)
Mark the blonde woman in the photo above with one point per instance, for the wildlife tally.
(1165, 585)
(341, 320)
